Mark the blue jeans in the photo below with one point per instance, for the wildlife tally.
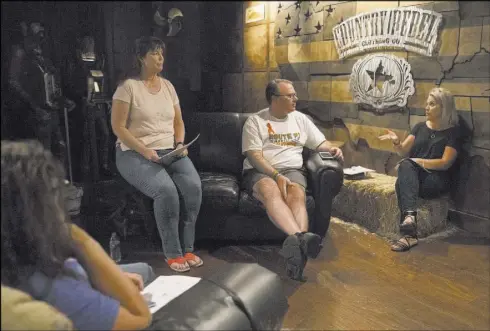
(140, 268)
(414, 182)
(176, 193)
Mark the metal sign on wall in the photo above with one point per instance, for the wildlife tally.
(411, 28)
(381, 81)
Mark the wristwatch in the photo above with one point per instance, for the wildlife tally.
(178, 143)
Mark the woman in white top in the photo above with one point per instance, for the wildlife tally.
(147, 119)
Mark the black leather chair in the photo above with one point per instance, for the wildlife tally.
(227, 211)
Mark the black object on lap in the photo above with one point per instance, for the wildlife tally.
(326, 156)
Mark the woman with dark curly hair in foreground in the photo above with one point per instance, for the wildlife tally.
(55, 261)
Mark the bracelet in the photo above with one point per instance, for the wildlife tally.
(275, 174)
(396, 144)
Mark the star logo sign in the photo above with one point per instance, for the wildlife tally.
(378, 78)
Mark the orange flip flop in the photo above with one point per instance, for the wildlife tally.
(193, 260)
(178, 260)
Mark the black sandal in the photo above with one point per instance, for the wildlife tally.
(295, 259)
(403, 244)
(410, 228)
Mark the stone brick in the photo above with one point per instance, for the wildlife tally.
(414, 3)
(481, 122)
(281, 51)
(320, 109)
(449, 42)
(367, 6)
(443, 6)
(485, 35)
(422, 89)
(391, 121)
(320, 88)
(471, 66)
(309, 51)
(469, 37)
(344, 110)
(424, 67)
(340, 89)
(301, 88)
(462, 103)
(333, 67)
(480, 104)
(415, 119)
(255, 45)
(475, 191)
(468, 86)
(295, 72)
(474, 9)
(233, 92)
(254, 91)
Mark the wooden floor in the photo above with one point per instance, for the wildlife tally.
(357, 283)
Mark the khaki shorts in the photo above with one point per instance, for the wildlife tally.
(252, 176)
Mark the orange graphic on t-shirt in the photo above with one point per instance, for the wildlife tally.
(269, 129)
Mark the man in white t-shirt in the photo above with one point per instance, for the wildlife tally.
(273, 141)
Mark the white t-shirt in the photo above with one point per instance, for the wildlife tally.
(280, 140)
(151, 115)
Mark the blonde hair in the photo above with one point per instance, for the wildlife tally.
(449, 115)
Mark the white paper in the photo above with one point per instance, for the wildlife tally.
(166, 288)
(356, 170)
(167, 157)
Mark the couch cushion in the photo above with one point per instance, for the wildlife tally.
(250, 206)
(219, 191)
(219, 146)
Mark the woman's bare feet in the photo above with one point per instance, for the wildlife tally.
(178, 264)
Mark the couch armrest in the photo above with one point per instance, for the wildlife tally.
(325, 179)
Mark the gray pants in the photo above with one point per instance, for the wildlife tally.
(176, 193)
(142, 269)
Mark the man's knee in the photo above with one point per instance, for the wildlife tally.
(296, 193)
(266, 190)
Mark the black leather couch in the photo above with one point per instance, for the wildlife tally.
(228, 212)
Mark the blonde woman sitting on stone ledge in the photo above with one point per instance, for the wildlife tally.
(430, 151)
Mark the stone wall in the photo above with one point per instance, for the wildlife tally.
(253, 55)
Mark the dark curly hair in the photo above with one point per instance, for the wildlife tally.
(35, 232)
